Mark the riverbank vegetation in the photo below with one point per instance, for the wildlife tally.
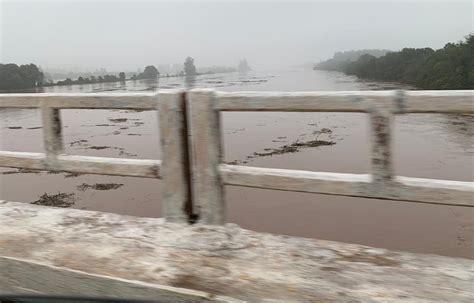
(13, 76)
(341, 59)
(150, 72)
(451, 67)
(90, 80)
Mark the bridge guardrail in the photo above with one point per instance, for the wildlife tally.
(173, 170)
(192, 167)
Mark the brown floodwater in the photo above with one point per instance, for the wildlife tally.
(427, 146)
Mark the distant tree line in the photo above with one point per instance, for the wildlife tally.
(91, 80)
(150, 72)
(451, 67)
(341, 59)
(13, 76)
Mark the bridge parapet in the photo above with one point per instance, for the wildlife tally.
(67, 251)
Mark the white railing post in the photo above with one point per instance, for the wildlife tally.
(206, 149)
(382, 168)
(52, 135)
(381, 118)
(174, 149)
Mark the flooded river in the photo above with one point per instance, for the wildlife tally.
(427, 146)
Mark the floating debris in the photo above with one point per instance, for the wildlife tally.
(322, 131)
(78, 142)
(36, 127)
(99, 147)
(21, 171)
(68, 174)
(59, 200)
(293, 148)
(124, 153)
(236, 130)
(235, 162)
(118, 120)
(99, 186)
(54, 172)
(288, 148)
(73, 175)
(10, 172)
(120, 149)
(325, 130)
(14, 127)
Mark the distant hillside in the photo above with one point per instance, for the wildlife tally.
(450, 67)
(341, 59)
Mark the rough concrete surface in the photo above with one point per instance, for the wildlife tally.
(215, 261)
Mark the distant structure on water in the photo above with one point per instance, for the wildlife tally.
(244, 66)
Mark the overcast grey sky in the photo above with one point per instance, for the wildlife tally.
(131, 34)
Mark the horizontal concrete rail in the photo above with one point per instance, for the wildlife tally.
(407, 189)
(82, 164)
(348, 101)
(86, 101)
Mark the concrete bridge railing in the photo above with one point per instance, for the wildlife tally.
(85, 253)
(192, 169)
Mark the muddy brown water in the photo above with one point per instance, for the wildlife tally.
(427, 146)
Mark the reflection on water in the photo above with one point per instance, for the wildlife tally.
(189, 82)
(460, 130)
(431, 146)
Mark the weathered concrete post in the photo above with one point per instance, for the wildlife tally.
(175, 169)
(382, 168)
(52, 131)
(206, 149)
(52, 135)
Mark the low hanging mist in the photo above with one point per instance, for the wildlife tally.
(112, 36)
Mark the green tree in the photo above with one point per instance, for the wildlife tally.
(150, 72)
(13, 76)
(189, 68)
(122, 76)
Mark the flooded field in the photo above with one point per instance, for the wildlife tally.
(427, 146)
